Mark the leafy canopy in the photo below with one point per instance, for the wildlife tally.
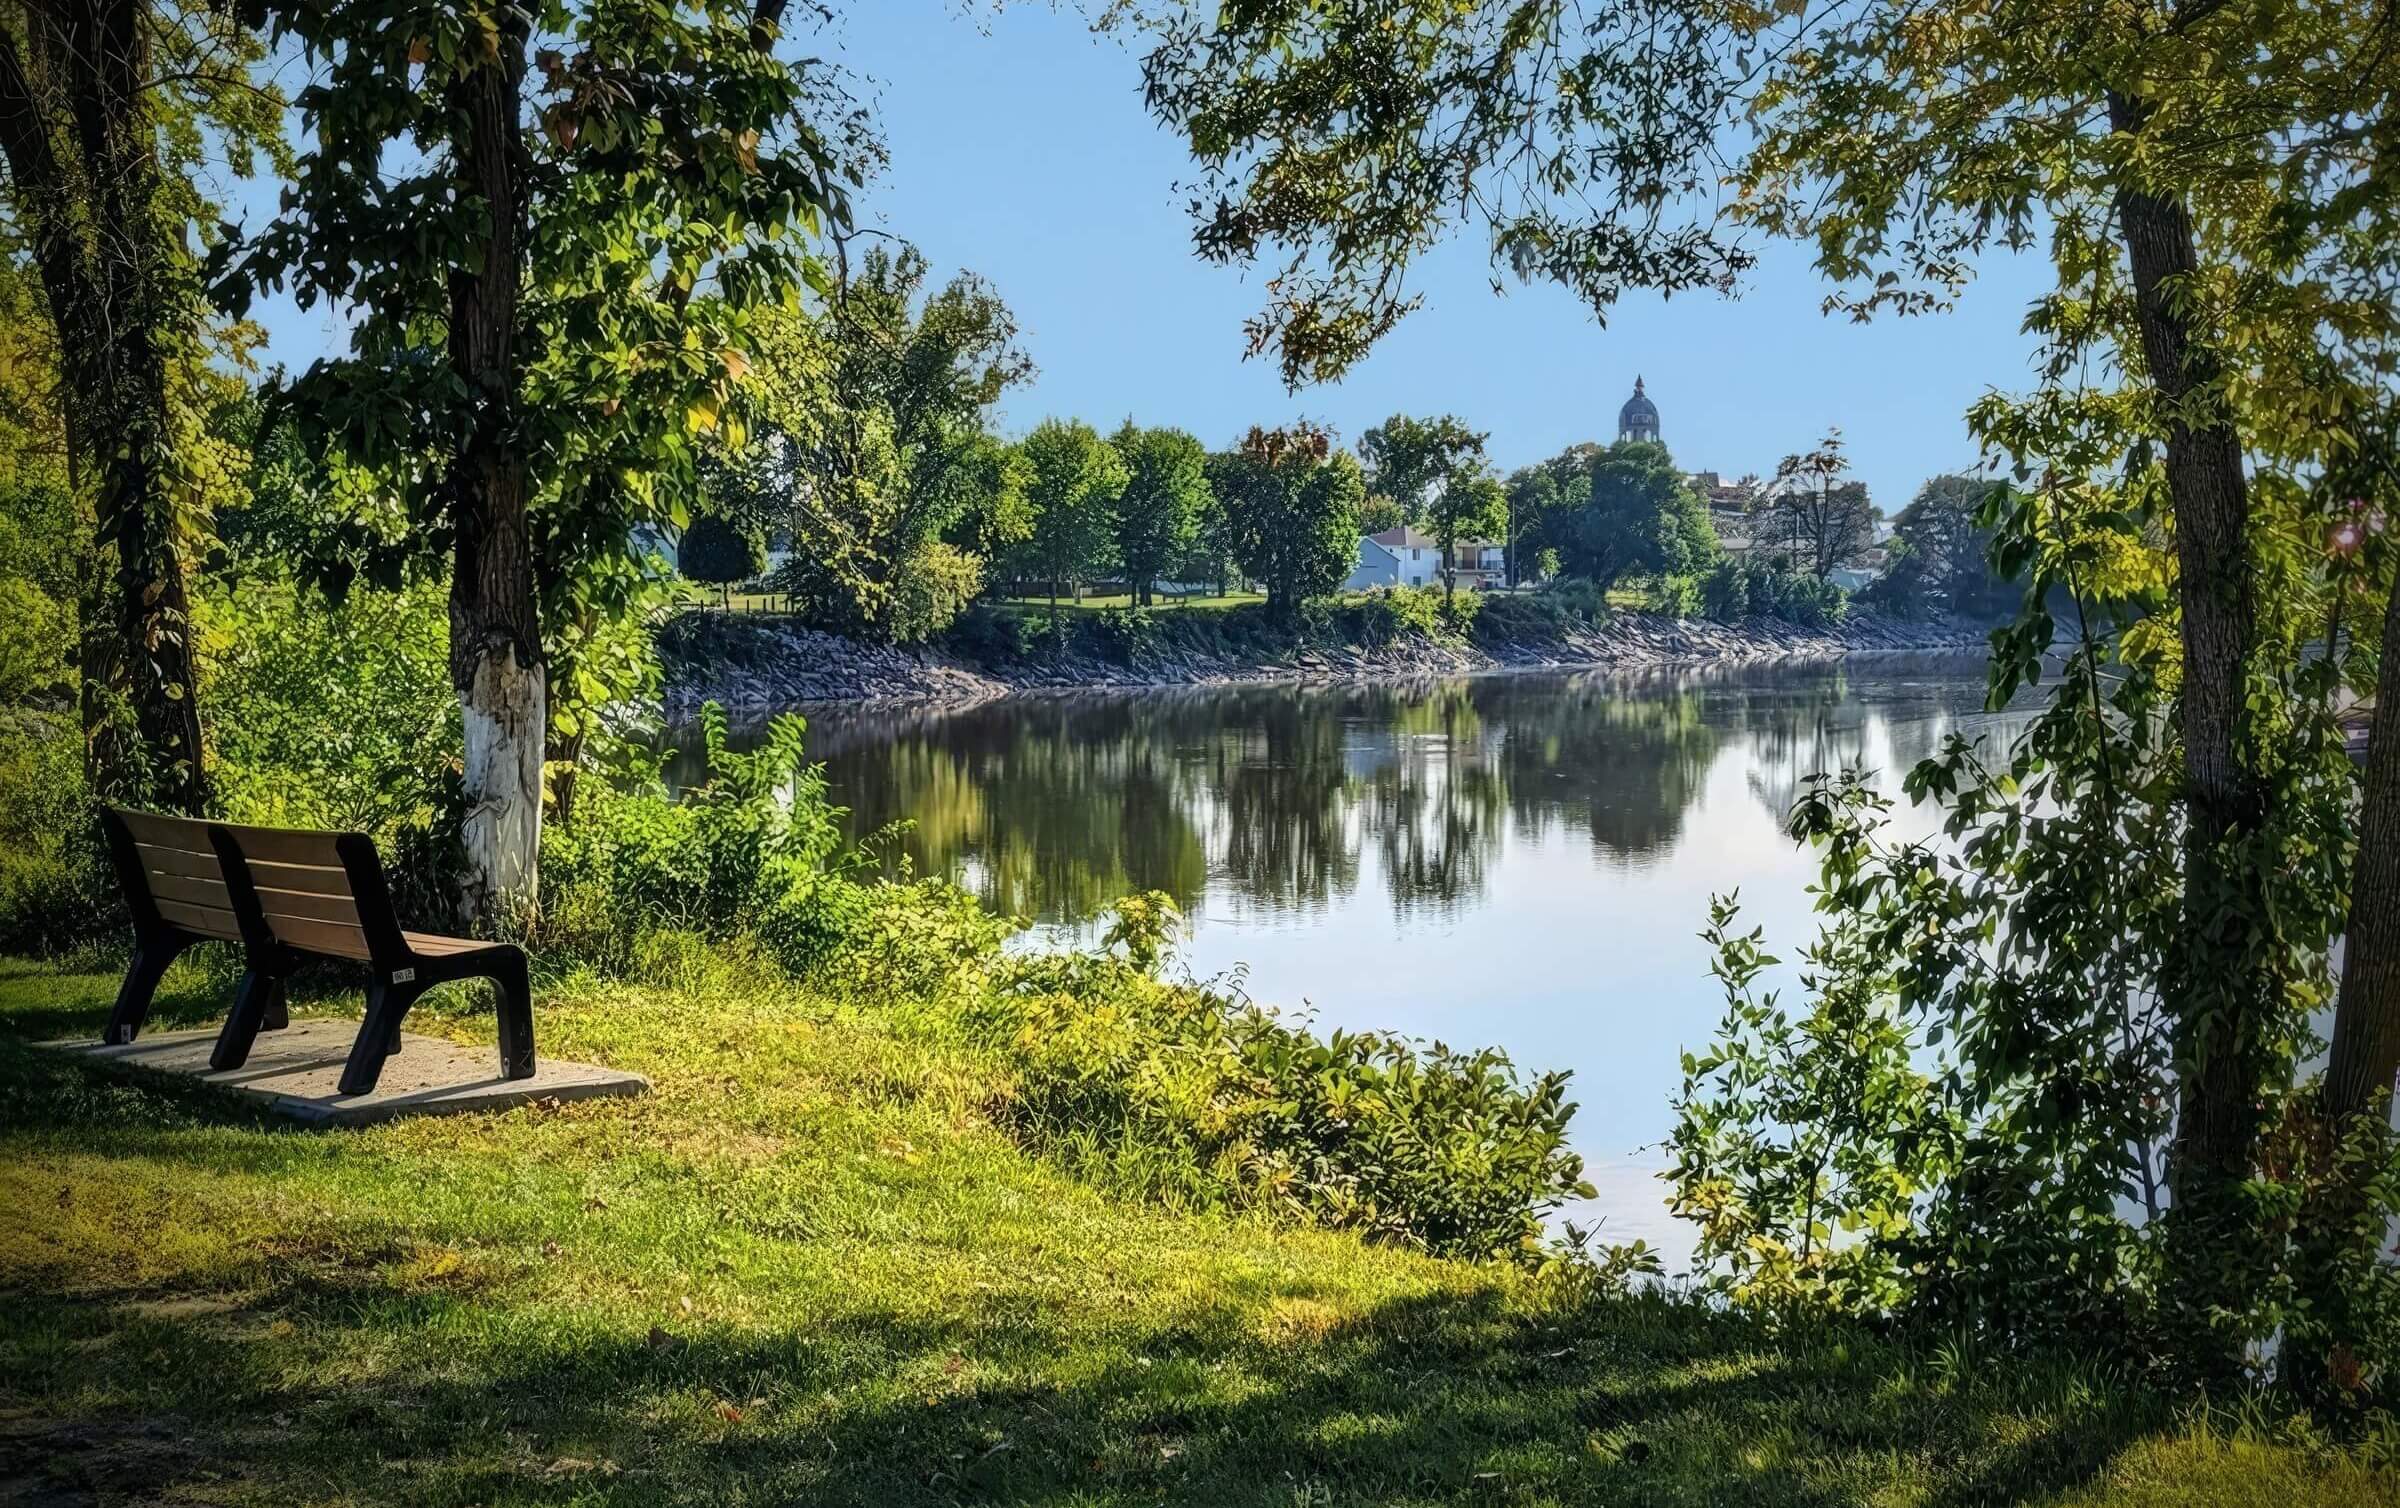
(1291, 509)
(1627, 510)
(674, 172)
(1165, 500)
(873, 441)
(1073, 480)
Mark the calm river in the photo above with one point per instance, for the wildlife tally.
(1523, 860)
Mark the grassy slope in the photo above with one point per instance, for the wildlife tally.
(805, 1270)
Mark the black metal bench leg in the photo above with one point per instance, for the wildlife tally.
(516, 1017)
(256, 996)
(387, 1007)
(150, 959)
(279, 1013)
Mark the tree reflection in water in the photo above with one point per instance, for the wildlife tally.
(1519, 860)
(1286, 800)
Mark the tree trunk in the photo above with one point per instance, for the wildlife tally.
(2366, 1023)
(2342, 1231)
(496, 660)
(2218, 987)
(119, 298)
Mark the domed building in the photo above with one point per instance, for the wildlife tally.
(1638, 419)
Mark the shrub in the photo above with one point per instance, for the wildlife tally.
(1743, 588)
(1388, 613)
(940, 581)
(1185, 1092)
(1576, 598)
(720, 551)
(331, 715)
(754, 851)
(1678, 596)
(35, 632)
(1119, 635)
(57, 891)
(990, 635)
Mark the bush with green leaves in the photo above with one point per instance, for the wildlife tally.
(1193, 1094)
(721, 551)
(1389, 613)
(1677, 595)
(36, 631)
(1119, 635)
(1747, 587)
(331, 714)
(1577, 598)
(754, 851)
(57, 891)
(993, 635)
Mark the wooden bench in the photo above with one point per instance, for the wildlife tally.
(286, 895)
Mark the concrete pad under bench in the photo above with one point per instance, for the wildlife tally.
(295, 1072)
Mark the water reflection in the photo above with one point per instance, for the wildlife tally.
(1522, 860)
(1285, 802)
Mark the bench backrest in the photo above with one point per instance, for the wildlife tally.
(318, 892)
(169, 869)
(307, 888)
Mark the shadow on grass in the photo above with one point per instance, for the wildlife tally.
(338, 1364)
(1448, 1399)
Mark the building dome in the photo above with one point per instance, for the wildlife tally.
(1638, 419)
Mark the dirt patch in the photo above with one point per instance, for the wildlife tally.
(50, 1463)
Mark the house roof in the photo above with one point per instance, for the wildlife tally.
(1403, 538)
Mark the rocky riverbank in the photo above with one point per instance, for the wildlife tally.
(751, 664)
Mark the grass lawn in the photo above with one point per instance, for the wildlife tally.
(1161, 603)
(808, 1269)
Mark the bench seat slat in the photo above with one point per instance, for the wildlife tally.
(434, 945)
(319, 937)
(208, 921)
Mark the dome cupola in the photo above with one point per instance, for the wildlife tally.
(1638, 419)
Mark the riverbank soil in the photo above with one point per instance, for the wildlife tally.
(753, 662)
(808, 1269)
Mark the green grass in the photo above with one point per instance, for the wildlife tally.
(1161, 603)
(808, 1270)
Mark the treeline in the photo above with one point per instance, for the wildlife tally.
(865, 442)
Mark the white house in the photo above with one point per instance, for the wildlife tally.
(1396, 557)
(1376, 567)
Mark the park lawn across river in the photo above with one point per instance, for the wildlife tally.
(809, 1269)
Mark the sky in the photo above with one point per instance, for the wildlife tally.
(1020, 151)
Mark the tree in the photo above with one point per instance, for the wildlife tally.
(874, 430)
(100, 143)
(1471, 505)
(1940, 551)
(1210, 557)
(1165, 499)
(533, 355)
(1411, 461)
(1291, 510)
(1628, 509)
(1815, 517)
(1543, 500)
(1072, 481)
(721, 551)
(2204, 180)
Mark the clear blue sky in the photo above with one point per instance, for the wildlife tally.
(1020, 150)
